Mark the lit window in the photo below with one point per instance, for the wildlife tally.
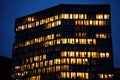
(64, 16)
(71, 54)
(56, 17)
(68, 74)
(58, 35)
(77, 54)
(44, 56)
(56, 61)
(102, 55)
(64, 41)
(58, 41)
(46, 63)
(36, 58)
(103, 35)
(95, 22)
(99, 16)
(75, 16)
(102, 23)
(57, 68)
(41, 64)
(40, 57)
(76, 40)
(49, 25)
(107, 55)
(80, 75)
(43, 70)
(29, 19)
(94, 55)
(89, 41)
(33, 18)
(87, 75)
(73, 75)
(106, 16)
(42, 21)
(73, 61)
(50, 62)
(71, 41)
(64, 67)
(91, 22)
(37, 64)
(110, 75)
(30, 25)
(106, 76)
(71, 17)
(101, 76)
(31, 59)
(52, 18)
(63, 74)
(68, 60)
(37, 23)
(82, 41)
(86, 22)
(64, 54)
(94, 41)
(63, 60)
(81, 16)
(79, 61)
(82, 54)
(79, 22)
(85, 61)
(32, 66)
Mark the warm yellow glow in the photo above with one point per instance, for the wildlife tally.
(37, 23)
(57, 68)
(64, 16)
(73, 75)
(75, 16)
(86, 22)
(107, 55)
(64, 67)
(99, 16)
(37, 64)
(85, 61)
(102, 23)
(53, 24)
(64, 54)
(101, 35)
(64, 41)
(79, 61)
(102, 55)
(82, 41)
(36, 58)
(44, 56)
(106, 16)
(30, 25)
(41, 64)
(56, 61)
(79, 22)
(63, 60)
(91, 22)
(95, 22)
(81, 16)
(50, 62)
(63, 74)
(71, 54)
(73, 61)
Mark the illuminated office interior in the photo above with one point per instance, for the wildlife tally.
(71, 42)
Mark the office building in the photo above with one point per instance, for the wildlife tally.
(66, 41)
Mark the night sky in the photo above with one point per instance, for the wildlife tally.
(12, 9)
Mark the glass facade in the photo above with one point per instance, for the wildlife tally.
(64, 42)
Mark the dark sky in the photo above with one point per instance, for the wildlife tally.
(11, 9)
